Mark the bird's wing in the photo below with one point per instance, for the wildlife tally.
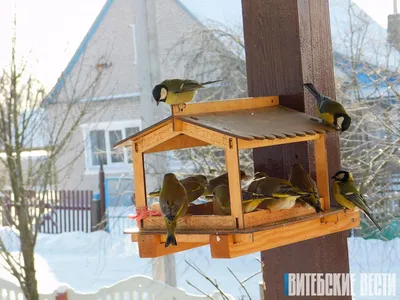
(350, 192)
(193, 189)
(331, 106)
(181, 86)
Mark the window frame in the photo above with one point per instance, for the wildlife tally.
(110, 167)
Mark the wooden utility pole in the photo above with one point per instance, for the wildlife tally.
(163, 268)
(288, 43)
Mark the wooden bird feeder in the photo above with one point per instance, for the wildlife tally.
(232, 125)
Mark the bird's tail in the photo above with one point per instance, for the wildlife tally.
(210, 82)
(372, 220)
(313, 91)
(171, 239)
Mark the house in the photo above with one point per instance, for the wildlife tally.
(108, 56)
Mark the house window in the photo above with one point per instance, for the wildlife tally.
(99, 141)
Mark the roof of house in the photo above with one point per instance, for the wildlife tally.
(260, 122)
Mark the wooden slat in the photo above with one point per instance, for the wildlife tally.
(156, 137)
(223, 246)
(225, 105)
(192, 222)
(235, 187)
(321, 168)
(88, 196)
(246, 144)
(68, 207)
(178, 142)
(151, 246)
(63, 204)
(73, 208)
(264, 216)
(206, 135)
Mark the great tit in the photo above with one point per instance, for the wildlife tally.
(173, 203)
(177, 91)
(347, 195)
(301, 179)
(330, 111)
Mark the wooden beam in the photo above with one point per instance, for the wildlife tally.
(139, 177)
(246, 144)
(192, 222)
(235, 187)
(299, 50)
(226, 105)
(178, 142)
(224, 246)
(151, 246)
(206, 135)
(321, 168)
(156, 137)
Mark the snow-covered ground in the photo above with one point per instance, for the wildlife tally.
(86, 262)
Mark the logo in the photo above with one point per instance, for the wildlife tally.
(340, 284)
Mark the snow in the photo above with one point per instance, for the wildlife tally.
(88, 261)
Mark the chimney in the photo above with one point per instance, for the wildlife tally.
(394, 27)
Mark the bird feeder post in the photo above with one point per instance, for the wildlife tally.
(299, 50)
(232, 166)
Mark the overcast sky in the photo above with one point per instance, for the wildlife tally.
(49, 31)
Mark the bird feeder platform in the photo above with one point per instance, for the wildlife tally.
(233, 125)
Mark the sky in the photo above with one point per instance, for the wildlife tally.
(49, 31)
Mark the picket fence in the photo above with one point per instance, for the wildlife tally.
(133, 288)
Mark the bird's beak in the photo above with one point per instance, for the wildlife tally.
(158, 102)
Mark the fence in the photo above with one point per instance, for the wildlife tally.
(133, 288)
(63, 211)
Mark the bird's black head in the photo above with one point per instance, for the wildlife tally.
(343, 121)
(342, 176)
(160, 93)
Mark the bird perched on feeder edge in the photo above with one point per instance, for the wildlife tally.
(283, 193)
(348, 196)
(302, 180)
(250, 201)
(173, 203)
(178, 91)
(331, 112)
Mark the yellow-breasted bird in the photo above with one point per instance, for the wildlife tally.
(301, 179)
(173, 203)
(254, 184)
(330, 111)
(347, 195)
(194, 186)
(250, 201)
(220, 180)
(283, 192)
(177, 91)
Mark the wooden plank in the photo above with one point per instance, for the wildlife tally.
(206, 135)
(139, 177)
(196, 238)
(178, 142)
(226, 105)
(246, 144)
(128, 141)
(235, 187)
(264, 216)
(151, 246)
(156, 137)
(321, 169)
(223, 246)
(192, 222)
(73, 208)
(68, 208)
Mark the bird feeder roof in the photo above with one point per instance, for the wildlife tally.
(255, 122)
